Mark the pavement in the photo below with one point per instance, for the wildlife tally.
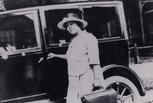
(145, 71)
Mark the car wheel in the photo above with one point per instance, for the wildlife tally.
(125, 89)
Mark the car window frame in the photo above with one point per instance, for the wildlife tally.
(117, 4)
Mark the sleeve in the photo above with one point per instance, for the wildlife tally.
(93, 50)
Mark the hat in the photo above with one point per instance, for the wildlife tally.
(71, 17)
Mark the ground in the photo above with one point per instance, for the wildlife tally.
(144, 69)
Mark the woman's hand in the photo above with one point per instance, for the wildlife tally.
(97, 85)
(3, 53)
(51, 55)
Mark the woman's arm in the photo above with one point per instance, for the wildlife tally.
(53, 55)
(98, 75)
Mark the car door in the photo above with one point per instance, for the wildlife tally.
(20, 50)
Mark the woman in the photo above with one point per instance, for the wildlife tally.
(82, 57)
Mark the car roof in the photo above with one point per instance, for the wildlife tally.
(66, 5)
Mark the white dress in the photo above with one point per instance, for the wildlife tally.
(83, 51)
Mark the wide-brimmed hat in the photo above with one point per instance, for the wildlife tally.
(71, 17)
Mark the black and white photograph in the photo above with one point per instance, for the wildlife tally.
(76, 51)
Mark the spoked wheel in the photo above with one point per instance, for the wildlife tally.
(125, 89)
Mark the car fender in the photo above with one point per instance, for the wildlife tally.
(119, 70)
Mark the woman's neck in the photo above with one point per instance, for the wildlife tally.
(77, 34)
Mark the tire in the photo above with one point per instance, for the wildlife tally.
(125, 89)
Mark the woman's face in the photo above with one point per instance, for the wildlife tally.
(72, 28)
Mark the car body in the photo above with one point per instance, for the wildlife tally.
(28, 35)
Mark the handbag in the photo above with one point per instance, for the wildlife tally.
(100, 96)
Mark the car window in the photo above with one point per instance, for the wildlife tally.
(54, 35)
(103, 22)
(17, 32)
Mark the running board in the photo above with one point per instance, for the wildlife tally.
(26, 98)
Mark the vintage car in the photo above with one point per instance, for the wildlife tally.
(28, 35)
